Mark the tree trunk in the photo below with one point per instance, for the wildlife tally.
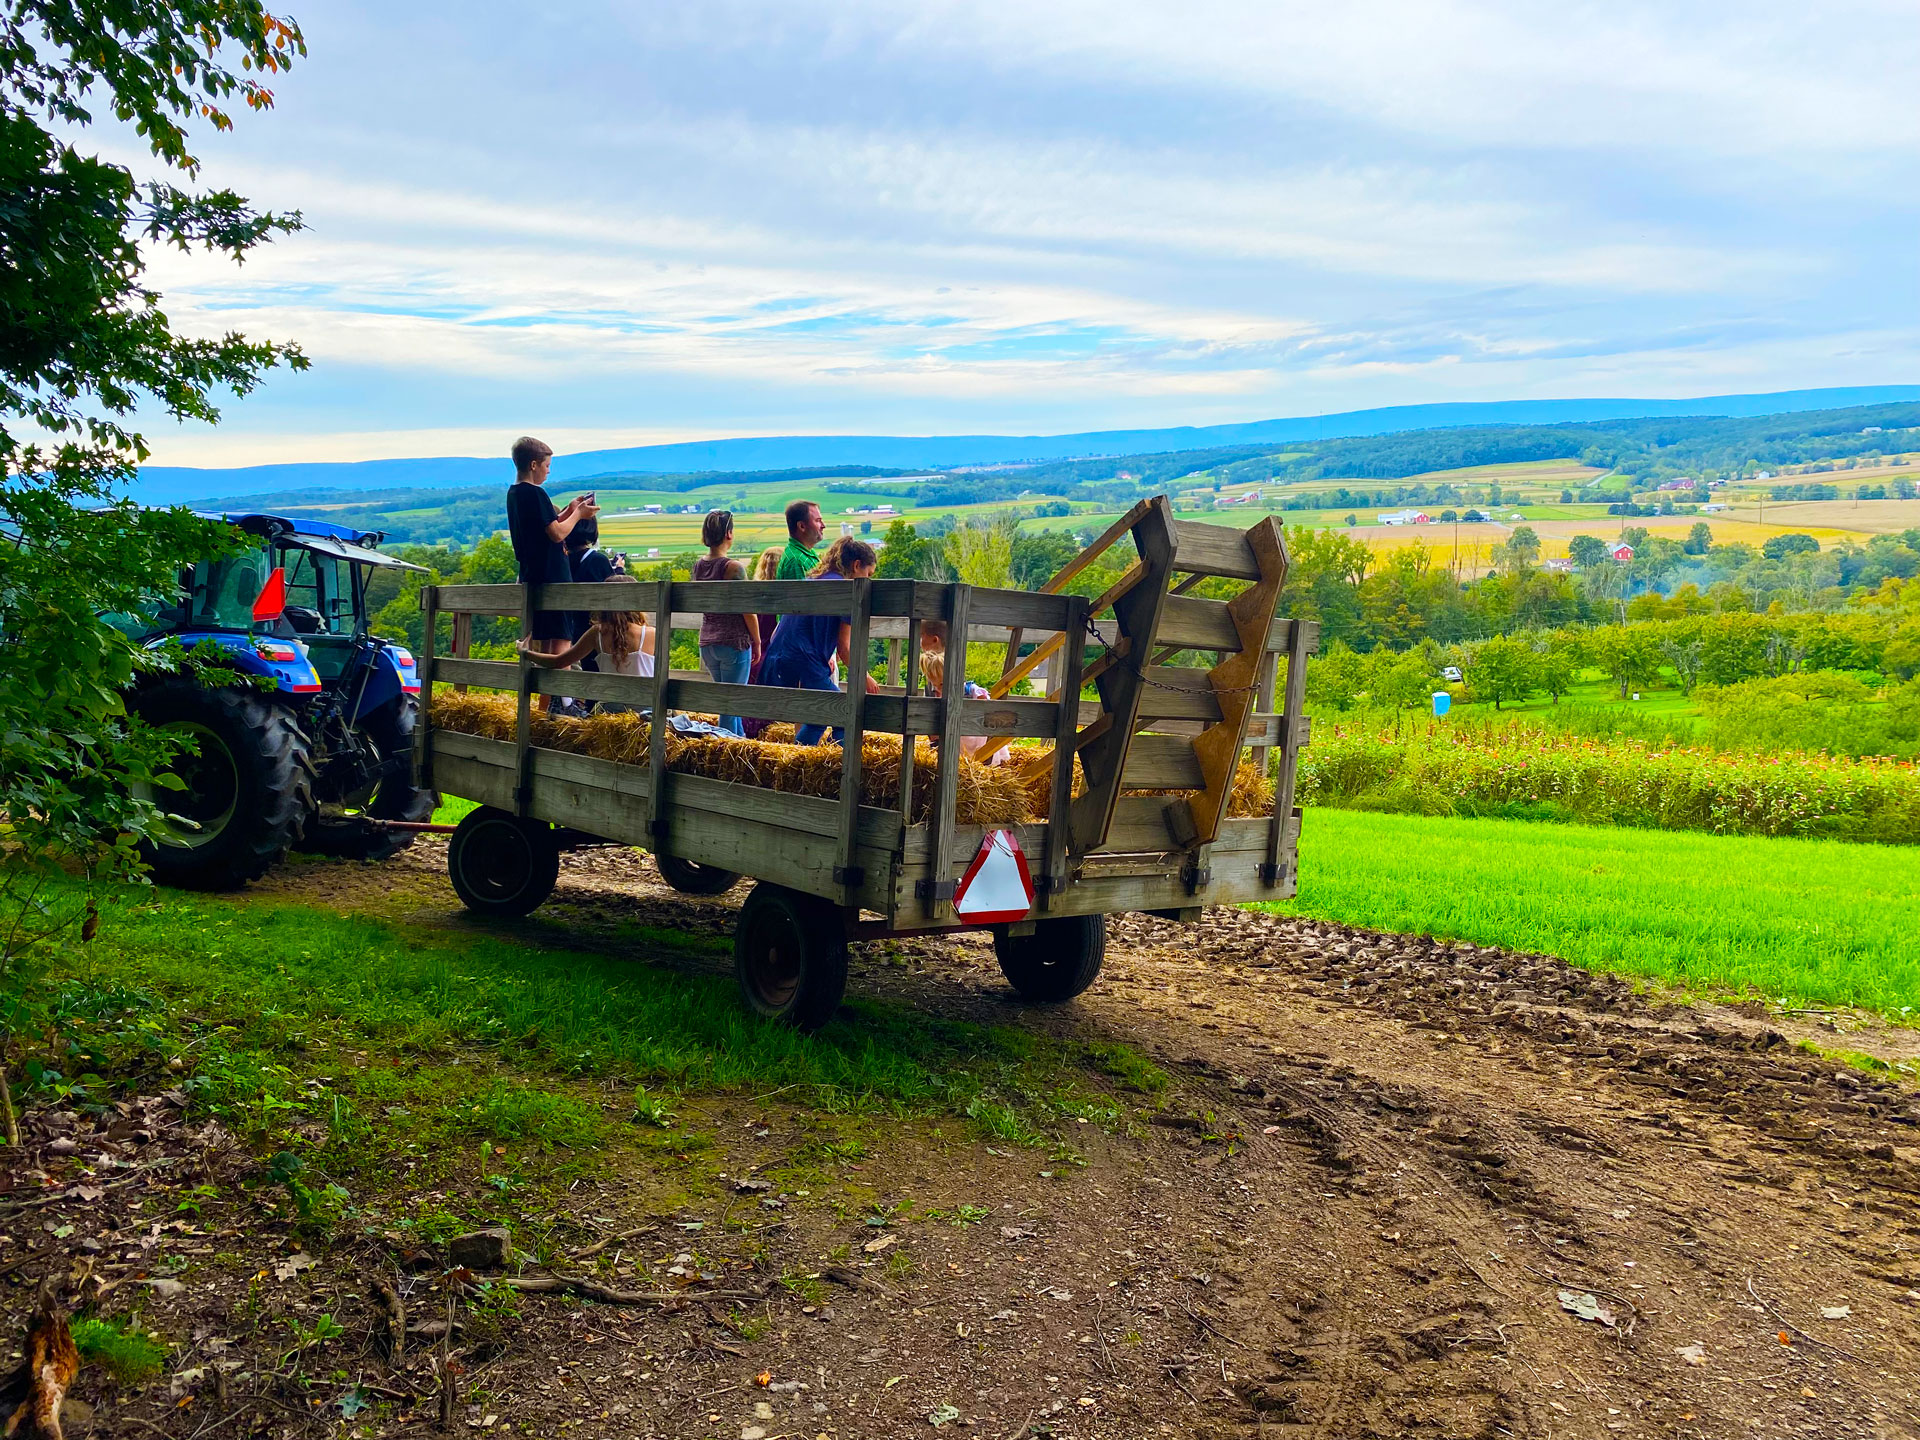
(6, 1101)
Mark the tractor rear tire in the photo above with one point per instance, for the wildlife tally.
(249, 786)
(790, 956)
(350, 837)
(691, 878)
(502, 865)
(1057, 961)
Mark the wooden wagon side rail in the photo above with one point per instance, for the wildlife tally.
(1199, 722)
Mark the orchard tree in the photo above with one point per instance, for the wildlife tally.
(1503, 669)
(83, 343)
(1588, 551)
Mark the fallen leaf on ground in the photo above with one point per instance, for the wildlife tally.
(945, 1415)
(1836, 1312)
(293, 1265)
(1585, 1305)
(874, 1247)
(1695, 1354)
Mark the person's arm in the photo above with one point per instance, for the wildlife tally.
(845, 651)
(737, 571)
(577, 509)
(572, 655)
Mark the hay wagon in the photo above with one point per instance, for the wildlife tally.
(1136, 782)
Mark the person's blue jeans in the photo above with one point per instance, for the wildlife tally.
(797, 672)
(730, 667)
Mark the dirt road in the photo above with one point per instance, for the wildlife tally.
(1398, 1188)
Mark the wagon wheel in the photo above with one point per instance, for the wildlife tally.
(1057, 961)
(501, 864)
(691, 878)
(790, 956)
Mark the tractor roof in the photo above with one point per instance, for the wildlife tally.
(340, 541)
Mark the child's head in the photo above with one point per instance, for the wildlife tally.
(531, 459)
(716, 529)
(767, 567)
(847, 557)
(934, 667)
(933, 635)
(584, 536)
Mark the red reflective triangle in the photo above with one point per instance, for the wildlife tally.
(271, 603)
(997, 888)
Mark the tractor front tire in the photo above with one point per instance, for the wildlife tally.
(350, 837)
(502, 865)
(790, 956)
(1057, 961)
(249, 785)
(691, 878)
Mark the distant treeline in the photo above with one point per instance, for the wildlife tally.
(1633, 453)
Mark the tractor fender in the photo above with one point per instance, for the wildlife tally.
(282, 660)
(393, 674)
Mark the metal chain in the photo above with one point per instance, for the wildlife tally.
(1107, 654)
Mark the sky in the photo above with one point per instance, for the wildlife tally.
(616, 224)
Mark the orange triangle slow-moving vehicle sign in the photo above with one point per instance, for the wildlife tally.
(997, 888)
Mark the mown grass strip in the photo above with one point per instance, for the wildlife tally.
(282, 979)
(1809, 920)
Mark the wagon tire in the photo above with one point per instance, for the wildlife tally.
(790, 956)
(1061, 958)
(502, 865)
(691, 878)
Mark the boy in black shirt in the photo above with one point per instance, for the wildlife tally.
(540, 535)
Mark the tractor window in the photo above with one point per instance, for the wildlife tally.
(224, 591)
(321, 584)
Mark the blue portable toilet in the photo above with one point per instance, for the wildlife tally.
(1442, 702)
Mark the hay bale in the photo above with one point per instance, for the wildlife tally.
(984, 796)
(1251, 795)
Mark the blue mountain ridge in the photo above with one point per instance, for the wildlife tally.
(173, 484)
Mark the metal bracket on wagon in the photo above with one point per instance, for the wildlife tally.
(933, 889)
(849, 875)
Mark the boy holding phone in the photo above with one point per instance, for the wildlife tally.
(539, 534)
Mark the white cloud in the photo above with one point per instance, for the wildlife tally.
(724, 218)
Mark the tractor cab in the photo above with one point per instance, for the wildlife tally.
(322, 759)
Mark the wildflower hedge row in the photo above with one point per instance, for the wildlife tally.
(1520, 771)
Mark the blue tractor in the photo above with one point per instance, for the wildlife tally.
(322, 761)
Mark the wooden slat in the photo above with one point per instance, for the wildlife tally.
(1176, 693)
(910, 725)
(657, 732)
(1066, 716)
(523, 716)
(960, 597)
(1026, 609)
(1205, 549)
(1280, 635)
(1263, 706)
(1138, 614)
(1014, 674)
(851, 754)
(423, 725)
(1235, 680)
(1161, 762)
(487, 674)
(1064, 576)
(1014, 719)
(1187, 623)
(1282, 859)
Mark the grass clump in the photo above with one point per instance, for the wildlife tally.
(129, 1354)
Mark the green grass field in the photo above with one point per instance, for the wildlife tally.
(1814, 921)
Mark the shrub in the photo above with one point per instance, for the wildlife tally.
(1522, 771)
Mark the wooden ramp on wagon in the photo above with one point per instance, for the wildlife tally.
(1181, 655)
